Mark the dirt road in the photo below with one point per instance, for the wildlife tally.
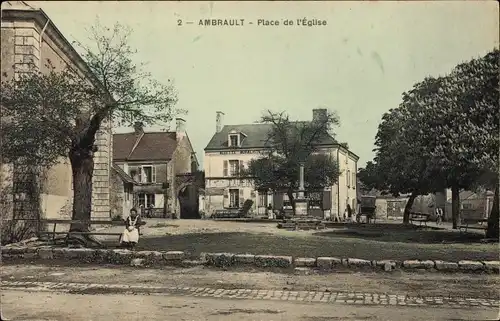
(62, 293)
(21, 305)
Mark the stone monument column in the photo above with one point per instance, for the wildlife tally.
(301, 201)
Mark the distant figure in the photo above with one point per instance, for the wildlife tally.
(270, 214)
(349, 212)
(150, 211)
(439, 215)
(130, 236)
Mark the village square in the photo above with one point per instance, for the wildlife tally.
(153, 179)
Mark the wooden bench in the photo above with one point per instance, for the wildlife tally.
(420, 217)
(473, 224)
(236, 213)
(53, 233)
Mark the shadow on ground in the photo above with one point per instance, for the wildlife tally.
(358, 242)
(404, 234)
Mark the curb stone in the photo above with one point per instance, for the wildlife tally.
(446, 266)
(418, 264)
(470, 265)
(305, 262)
(137, 262)
(387, 265)
(493, 266)
(220, 259)
(244, 259)
(302, 264)
(327, 263)
(273, 261)
(358, 262)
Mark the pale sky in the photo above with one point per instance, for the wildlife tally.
(359, 64)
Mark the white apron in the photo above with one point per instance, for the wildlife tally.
(131, 234)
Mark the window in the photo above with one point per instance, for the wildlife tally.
(348, 178)
(232, 167)
(466, 206)
(234, 198)
(353, 180)
(147, 174)
(234, 140)
(146, 200)
(263, 199)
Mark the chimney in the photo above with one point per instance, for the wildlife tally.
(138, 127)
(319, 114)
(180, 125)
(219, 121)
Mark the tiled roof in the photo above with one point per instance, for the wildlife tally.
(151, 146)
(126, 177)
(256, 137)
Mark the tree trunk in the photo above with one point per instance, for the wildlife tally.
(292, 200)
(408, 206)
(82, 164)
(455, 206)
(493, 224)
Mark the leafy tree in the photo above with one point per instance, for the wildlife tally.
(59, 113)
(370, 178)
(290, 144)
(464, 122)
(444, 134)
(403, 161)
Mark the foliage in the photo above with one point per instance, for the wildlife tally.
(58, 113)
(292, 143)
(444, 134)
(117, 217)
(247, 206)
(21, 201)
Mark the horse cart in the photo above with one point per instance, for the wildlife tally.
(367, 209)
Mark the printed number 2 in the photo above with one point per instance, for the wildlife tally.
(179, 22)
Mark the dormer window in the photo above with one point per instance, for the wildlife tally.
(234, 140)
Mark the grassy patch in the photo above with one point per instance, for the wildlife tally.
(367, 241)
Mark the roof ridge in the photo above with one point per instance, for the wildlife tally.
(135, 145)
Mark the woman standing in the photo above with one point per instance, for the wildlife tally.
(130, 236)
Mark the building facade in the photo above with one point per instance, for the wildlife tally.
(155, 163)
(30, 41)
(231, 149)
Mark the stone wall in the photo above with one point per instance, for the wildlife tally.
(117, 194)
(180, 164)
(101, 178)
(21, 50)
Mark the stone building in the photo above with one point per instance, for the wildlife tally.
(30, 39)
(233, 146)
(159, 165)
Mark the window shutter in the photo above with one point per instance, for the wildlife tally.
(225, 168)
(139, 171)
(242, 167)
(153, 174)
(327, 200)
(241, 200)
(225, 199)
